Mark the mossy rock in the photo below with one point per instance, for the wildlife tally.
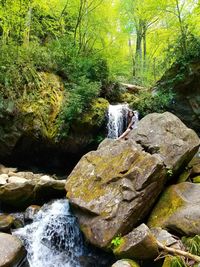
(178, 209)
(126, 263)
(93, 118)
(196, 179)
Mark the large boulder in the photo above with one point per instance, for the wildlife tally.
(178, 209)
(167, 137)
(11, 250)
(114, 188)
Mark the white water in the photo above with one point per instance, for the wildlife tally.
(54, 238)
(118, 119)
(117, 116)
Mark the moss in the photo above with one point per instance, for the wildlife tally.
(167, 205)
(93, 118)
(41, 107)
(196, 179)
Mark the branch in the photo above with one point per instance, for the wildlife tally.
(178, 252)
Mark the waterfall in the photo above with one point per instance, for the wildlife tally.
(54, 238)
(117, 120)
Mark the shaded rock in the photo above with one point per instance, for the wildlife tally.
(30, 212)
(46, 190)
(183, 80)
(114, 188)
(6, 222)
(163, 236)
(11, 250)
(178, 209)
(138, 244)
(17, 194)
(166, 136)
(125, 263)
(6, 170)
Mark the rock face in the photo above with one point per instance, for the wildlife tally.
(138, 244)
(31, 129)
(184, 81)
(178, 209)
(21, 189)
(11, 250)
(115, 187)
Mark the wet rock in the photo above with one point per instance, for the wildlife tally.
(138, 244)
(114, 188)
(178, 209)
(166, 136)
(30, 212)
(11, 250)
(6, 221)
(125, 263)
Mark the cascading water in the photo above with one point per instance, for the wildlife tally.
(54, 240)
(117, 120)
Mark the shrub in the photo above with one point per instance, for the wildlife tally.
(147, 102)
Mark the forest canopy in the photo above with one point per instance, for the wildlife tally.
(91, 43)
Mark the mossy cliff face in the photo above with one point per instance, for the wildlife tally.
(32, 120)
(114, 187)
(184, 81)
(178, 209)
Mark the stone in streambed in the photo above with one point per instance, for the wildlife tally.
(11, 250)
(138, 244)
(30, 212)
(6, 221)
(125, 263)
(178, 209)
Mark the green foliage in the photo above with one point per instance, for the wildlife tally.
(116, 242)
(79, 98)
(177, 262)
(148, 102)
(192, 244)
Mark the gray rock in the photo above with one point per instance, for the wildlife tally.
(138, 244)
(11, 250)
(166, 136)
